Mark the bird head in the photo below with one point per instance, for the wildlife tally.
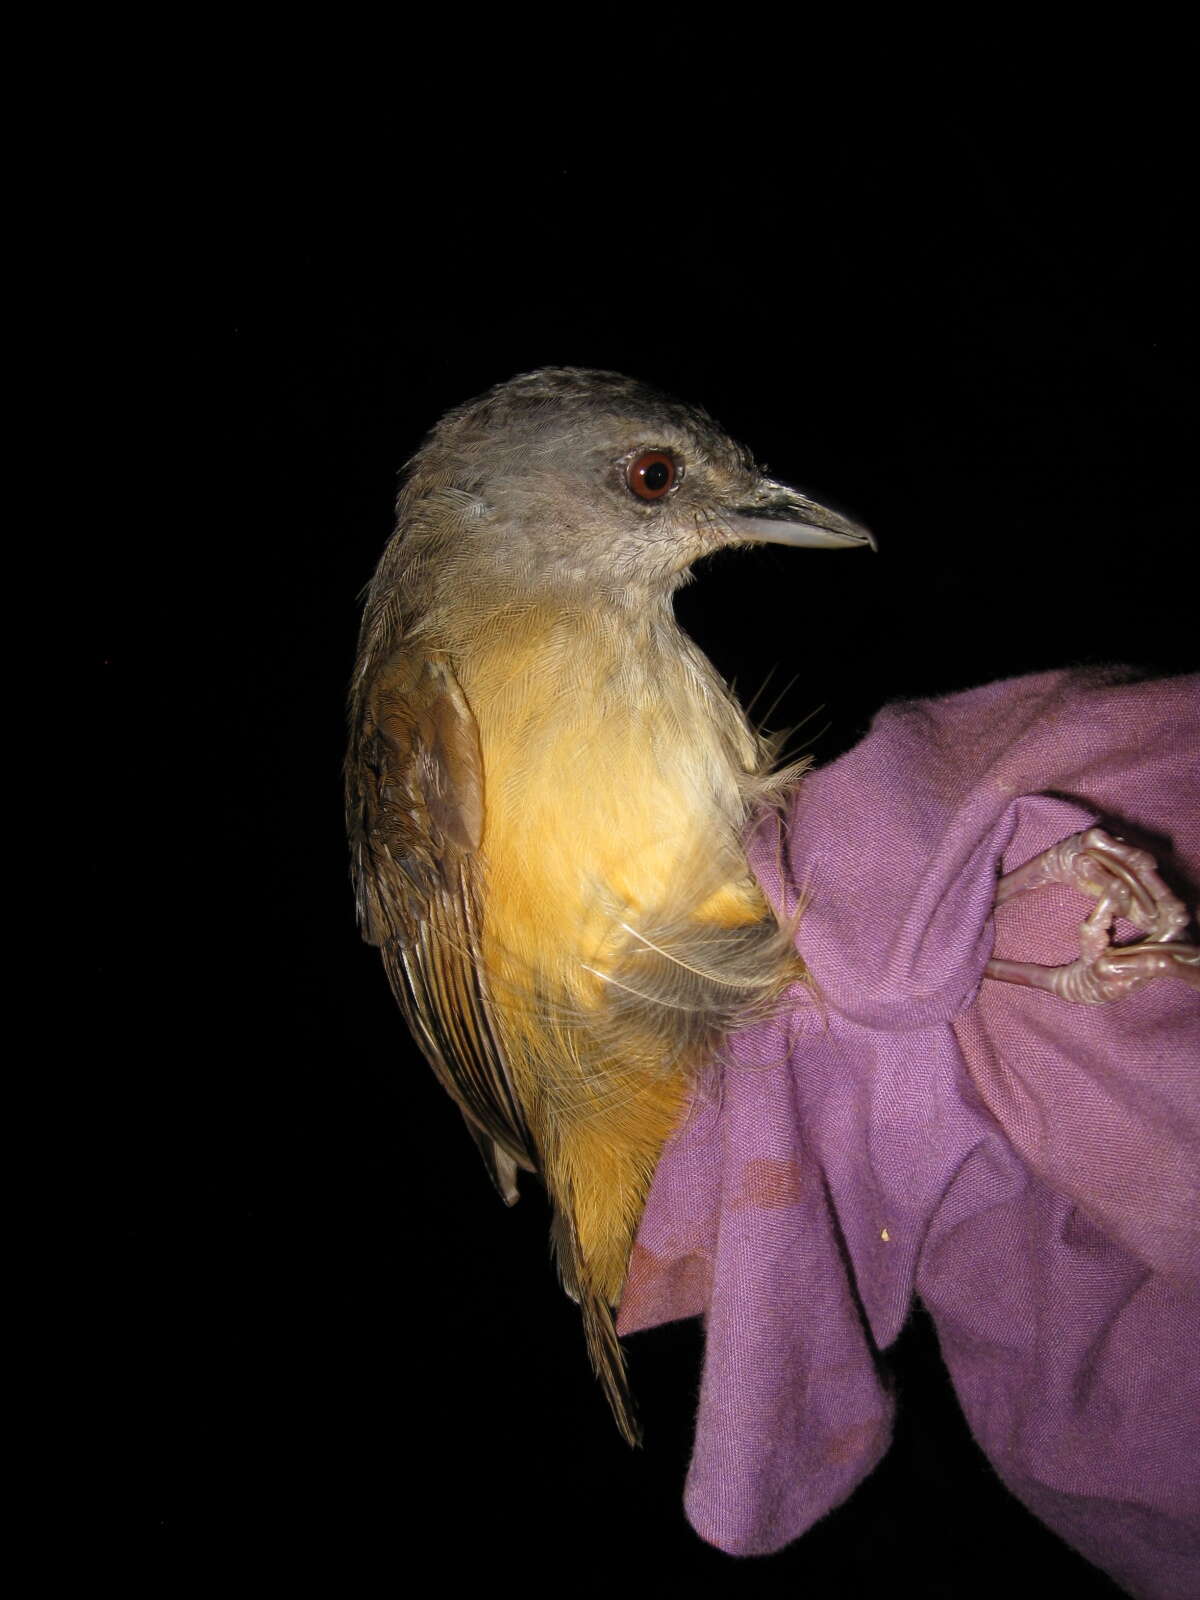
(579, 483)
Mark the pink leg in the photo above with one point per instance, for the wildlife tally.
(1125, 883)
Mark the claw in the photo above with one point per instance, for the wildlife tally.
(1125, 882)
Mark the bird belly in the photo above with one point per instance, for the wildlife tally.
(612, 872)
(601, 827)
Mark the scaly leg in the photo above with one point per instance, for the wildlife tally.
(1125, 883)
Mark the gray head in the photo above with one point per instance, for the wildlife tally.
(570, 478)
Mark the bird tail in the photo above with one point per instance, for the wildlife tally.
(599, 1328)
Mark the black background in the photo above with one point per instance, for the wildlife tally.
(330, 1349)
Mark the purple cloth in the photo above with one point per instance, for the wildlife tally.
(1028, 1168)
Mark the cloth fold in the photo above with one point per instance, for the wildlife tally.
(1030, 1169)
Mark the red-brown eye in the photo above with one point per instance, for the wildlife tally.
(652, 476)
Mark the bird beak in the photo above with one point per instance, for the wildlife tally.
(779, 515)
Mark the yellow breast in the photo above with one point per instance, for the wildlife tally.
(615, 791)
(607, 780)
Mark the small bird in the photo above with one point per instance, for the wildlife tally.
(548, 787)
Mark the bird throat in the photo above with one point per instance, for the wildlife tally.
(623, 933)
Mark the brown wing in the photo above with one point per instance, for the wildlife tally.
(414, 801)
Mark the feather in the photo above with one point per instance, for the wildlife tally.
(548, 787)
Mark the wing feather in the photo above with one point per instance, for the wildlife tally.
(415, 812)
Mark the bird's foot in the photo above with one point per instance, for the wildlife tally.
(1124, 881)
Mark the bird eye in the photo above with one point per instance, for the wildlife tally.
(652, 476)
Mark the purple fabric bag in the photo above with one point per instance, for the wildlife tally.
(1029, 1168)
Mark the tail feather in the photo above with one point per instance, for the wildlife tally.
(599, 1328)
(608, 1360)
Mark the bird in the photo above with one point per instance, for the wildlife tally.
(549, 786)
